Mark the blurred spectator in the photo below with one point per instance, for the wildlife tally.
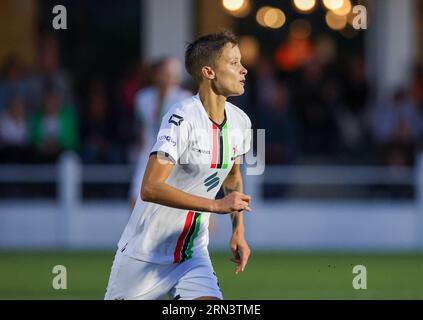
(13, 82)
(356, 91)
(417, 94)
(280, 121)
(49, 73)
(54, 128)
(396, 129)
(151, 104)
(97, 131)
(14, 133)
(136, 78)
(319, 129)
(353, 110)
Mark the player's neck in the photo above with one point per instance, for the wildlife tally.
(213, 104)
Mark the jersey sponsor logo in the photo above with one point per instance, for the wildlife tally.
(212, 181)
(176, 120)
(168, 139)
(201, 150)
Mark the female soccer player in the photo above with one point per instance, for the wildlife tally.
(164, 246)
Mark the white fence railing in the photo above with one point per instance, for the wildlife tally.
(70, 222)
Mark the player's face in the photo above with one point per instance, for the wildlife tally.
(230, 73)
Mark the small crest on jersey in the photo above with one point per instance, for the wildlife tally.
(176, 120)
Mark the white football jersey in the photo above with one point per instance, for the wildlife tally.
(203, 153)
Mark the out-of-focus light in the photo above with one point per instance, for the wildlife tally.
(293, 53)
(345, 9)
(335, 22)
(304, 5)
(260, 15)
(270, 17)
(300, 29)
(237, 8)
(274, 18)
(250, 50)
(333, 4)
(233, 5)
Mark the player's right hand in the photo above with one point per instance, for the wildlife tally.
(235, 201)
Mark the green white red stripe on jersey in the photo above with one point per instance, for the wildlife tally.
(183, 250)
(220, 153)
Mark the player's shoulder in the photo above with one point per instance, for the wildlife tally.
(238, 114)
(184, 108)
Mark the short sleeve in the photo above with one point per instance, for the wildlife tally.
(172, 139)
(247, 135)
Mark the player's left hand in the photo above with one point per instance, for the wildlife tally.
(240, 250)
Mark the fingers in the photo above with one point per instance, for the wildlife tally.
(236, 253)
(244, 206)
(243, 262)
(238, 267)
(246, 198)
(240, 259)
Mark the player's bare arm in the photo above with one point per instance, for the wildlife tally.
(155, 189)
(238, 244)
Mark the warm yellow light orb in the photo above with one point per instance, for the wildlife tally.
(304, 5)
(345, 9)
(333, 4)
(274, 18)
(233, 5)
(335, 22)
(260, 15)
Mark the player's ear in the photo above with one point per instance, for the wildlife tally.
(208, 73)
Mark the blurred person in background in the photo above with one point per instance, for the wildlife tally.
(352, 109)
(280, 121)
(151, 103)
(54, 128)
(98, 134)
(265, 83)
(319, 130)
(13, 82)
(136, 77)
(395, 129)
(417, 94)
(14, 146)
(49, 73)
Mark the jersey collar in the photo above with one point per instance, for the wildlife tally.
(220, 126)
